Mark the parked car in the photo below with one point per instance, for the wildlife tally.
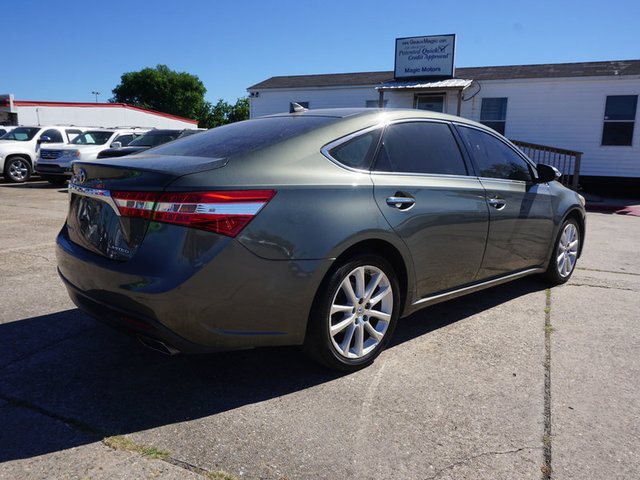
(318, 228)
(19, 148)
(4, 129)
(151, 139)
(54, 164)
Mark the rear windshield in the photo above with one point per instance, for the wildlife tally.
(22, 134)
(241, 137)
(153, 139)
(92, 138)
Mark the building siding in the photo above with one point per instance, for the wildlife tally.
(561, 112)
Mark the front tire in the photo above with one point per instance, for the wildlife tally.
(354, 314)
(565, 253)
(17, 169)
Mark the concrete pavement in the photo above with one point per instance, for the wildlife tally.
(460, 392)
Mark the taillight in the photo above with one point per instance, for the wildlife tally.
(224, 212)
(135, 204)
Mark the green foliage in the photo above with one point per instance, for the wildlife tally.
(177, 93)
(222, 113)
(162, 89)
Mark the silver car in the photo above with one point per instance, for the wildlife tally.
(318, 228)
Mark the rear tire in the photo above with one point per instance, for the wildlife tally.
(17, 169)
(565, 253)
(354, 314)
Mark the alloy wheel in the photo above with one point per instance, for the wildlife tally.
(360, 312)
(567, 251)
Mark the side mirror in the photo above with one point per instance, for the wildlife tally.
(44, 139)
(116, 145)
(547, 173)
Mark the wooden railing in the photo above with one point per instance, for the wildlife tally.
(567, 161)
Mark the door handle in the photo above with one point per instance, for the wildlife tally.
(401, 203)
(497, 202)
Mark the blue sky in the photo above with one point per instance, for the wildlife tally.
(64, 50)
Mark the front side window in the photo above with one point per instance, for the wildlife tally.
(92, 137)
(153, 139)
(619, 120)
(493, 113)
(54, 135)
(420, 147)
(21, 134)
(494, 158)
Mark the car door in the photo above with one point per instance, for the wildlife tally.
(520, 216)
(423, 189)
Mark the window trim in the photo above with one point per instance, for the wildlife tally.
(469, 166)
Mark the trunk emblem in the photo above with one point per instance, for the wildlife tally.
(81, 176)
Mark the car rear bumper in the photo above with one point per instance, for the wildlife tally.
(222, 298)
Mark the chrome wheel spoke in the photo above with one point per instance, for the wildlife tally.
(344, 346)
(385, 317)
(338, 327)
(341, 308)
(373, 332)
(359, 278)
(373, 284)
(380, 296)
(359, 340)
(348, 290)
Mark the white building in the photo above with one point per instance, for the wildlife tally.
(17, 112)
(585, 107)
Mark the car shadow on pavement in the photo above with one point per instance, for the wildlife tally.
(66, 380)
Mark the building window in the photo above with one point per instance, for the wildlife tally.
(493, 113)
(432, 103)
(375, 103)
(619, 119)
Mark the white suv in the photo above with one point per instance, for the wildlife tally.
(54, 165)
(19, 148)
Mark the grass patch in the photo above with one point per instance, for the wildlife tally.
(220, 476)
(549, 329)
(118, 442)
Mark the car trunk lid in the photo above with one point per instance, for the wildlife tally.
(100, 191)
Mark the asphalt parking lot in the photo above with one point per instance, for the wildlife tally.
(515, 382)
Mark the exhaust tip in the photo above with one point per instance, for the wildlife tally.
(157, 345)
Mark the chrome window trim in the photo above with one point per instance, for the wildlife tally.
(96, 193)
(384, 125)
(329, 146)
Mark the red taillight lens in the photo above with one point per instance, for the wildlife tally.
(225, 212)
(135, 204)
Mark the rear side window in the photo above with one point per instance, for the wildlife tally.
(124, 139)
(242, 137)
(420, 147)
(54, 135)
(72, 133)
(357, 152)
(495, 158)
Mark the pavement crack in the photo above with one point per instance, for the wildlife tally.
(546, 438)
(606, 287)
(607, 271)
(479, 455)
(68, 421)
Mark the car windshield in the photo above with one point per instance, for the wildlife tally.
(92, 138)
(242, 137)
(153, 139)
(21, 134)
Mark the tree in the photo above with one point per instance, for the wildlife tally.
(178, 93)
(162, 89)
(222, 113)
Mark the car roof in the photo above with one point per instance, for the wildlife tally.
(380, 115)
